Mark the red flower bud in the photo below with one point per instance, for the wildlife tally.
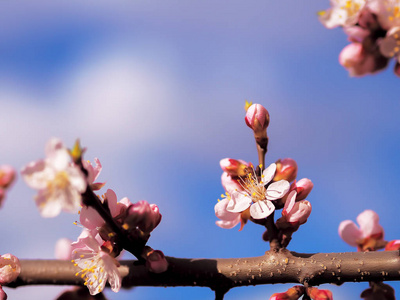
(257, 117)
(393, 245)
(286, 169)
(316, 294)
(143, 215)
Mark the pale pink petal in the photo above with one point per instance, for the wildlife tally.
(289, 204)
(48, 208)
(112, 202)
(349, 232)
(268, 174)
(277, 190)
(239, 202)
(369, 223)
(90, 218)
(261, 209)
(230, 184)
(36, 174)
(228, 224)
(222, 213)
(10, 268)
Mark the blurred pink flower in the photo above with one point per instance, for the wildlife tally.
(59, 181)
(10, 268)
(342, 13)
(256, 196)
(97, 266)
(357, 60)
(361, 237)
(93, 173)
(63, 249)
(7, 176)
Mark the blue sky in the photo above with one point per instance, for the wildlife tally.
(155, 90)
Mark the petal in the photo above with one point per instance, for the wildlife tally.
(228, 224)
(277, 190)
(230, 184)
(239, 202)
(369, 223)
(112, 202)
(48, 206)
(261, 209)
(36, 174)
(268, 174)
(300, 212)
(90, 218)
(222, 213)
(349, 232)
(289, 204)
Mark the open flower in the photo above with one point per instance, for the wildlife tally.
(96, 263)
(370, 234)
(342, 13)
(258, 195)
(59, 181)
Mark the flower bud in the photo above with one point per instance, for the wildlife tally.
(143, 215)
(155, 260)
(316, 294)
(293, 293)
(286, 169)
(393, 245)
(378, 291)
(9, 268)
(7, 176)
(295, 213)
(257, 117)
(235, 167)
(303, 187)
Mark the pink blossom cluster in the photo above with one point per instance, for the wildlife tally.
(373, 28)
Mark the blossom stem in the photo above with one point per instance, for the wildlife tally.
(273, 233)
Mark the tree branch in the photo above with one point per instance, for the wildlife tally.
(223, 274)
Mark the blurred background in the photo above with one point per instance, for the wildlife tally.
(156, 90)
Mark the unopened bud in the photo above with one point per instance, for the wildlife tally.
(293, 293)
(235, 167)
(7, 176)
(155, 260)
(257, 117)
(286, 169)
(303, 187)
(294, 213)
(10, 268)
(317, 294)
(143, 215)
(378, 291)
(393, 245)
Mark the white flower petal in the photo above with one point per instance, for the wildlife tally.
(268, 174)
(261, 209)
(239, 202)
(277, 190)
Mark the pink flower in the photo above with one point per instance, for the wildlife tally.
(369, 230)
(7, 176)
(342, 13)
(59, 182)
(228, 219)
(357, 60)
(257, 196)
(286, 169)
(10, 268)
(93, 173)
(63, 249)
(97, 265)
(257, 117)
(91, 219)
(296, 213)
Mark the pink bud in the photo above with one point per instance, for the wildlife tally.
(257, 117)
(235, 167)
(143, 215)
(293, 293)
(316, 294)
(303, 187)
(7, 176)
(156, 261)
(9, 268)
(3, 295)
(357, 60)
(296, 213)
(286, 169)
(393, 245)
(63, 249)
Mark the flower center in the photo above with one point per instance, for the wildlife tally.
(255, 189)
(61, 180)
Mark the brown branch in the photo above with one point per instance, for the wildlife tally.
(224, 274)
